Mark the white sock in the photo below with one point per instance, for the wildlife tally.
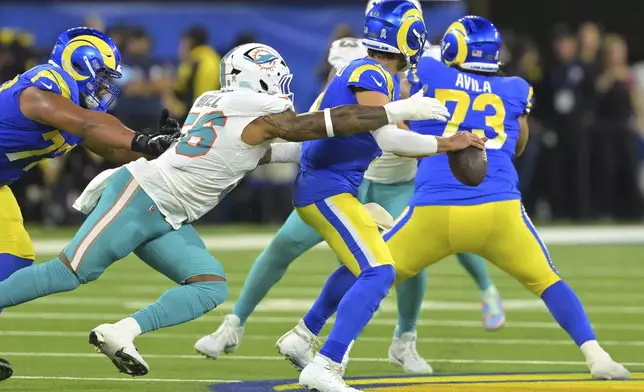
(593, 351)
(130, 327)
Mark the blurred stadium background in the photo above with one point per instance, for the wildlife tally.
(582, 177)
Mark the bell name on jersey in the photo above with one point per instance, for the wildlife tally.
(486, 105)
(210, 159)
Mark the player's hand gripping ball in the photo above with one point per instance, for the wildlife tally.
(468, 165)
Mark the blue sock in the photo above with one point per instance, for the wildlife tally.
(37, 281)
(476, 266)
(10, 264)
(267, 270)
(338, 284)
(356, 309)
(410, 295)
(181, 304)
(565, 307)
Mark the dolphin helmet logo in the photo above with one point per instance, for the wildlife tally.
(263, 58)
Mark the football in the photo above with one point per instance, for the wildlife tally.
(469, 166)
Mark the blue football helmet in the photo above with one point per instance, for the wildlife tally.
(93, 60)
(472, 43)
(395, 26)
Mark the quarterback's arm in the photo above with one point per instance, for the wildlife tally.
(524, 134)
(96, 127)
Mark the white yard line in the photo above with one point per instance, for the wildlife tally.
(550, 235)
(378, 320)
(129, 379)
(367, 339)
(287, 305)
(278, 358)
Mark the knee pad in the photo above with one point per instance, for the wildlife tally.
(381, 278)
(211, 294)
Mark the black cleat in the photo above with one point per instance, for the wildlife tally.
(6, 370)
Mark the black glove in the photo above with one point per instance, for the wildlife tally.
(152, 145)
(167, 126)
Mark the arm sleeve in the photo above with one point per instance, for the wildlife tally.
(286, 152)
(373, 78)
(400, 142)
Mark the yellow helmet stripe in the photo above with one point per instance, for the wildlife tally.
(458, 30)
(404, 31)
(109, 57)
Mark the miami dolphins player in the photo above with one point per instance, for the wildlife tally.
(388, 182)
(147, 207)
(50, 109)
(488, 220)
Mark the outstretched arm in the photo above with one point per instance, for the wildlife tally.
(93, 126)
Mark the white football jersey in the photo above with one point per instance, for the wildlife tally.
(196, 173)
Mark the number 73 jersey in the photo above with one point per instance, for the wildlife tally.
(210, 159)
(485, 105)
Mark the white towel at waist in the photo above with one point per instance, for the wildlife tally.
(92, 193)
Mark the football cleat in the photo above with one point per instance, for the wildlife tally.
(298, 345)
(607, 369)
(493, 314)
(323, 375)
(112, 343)
(226, 339)
(6, 370)
(402, 352)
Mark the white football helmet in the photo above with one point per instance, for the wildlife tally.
(345, 50)
(371, 3)
(257, 67)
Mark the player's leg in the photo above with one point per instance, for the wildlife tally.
(291, 240)
(353, 235)
(417, 240)
(182, 256)
(493, 314)
(16, 249)
(518, 250)
(410, 293)
(122, 219)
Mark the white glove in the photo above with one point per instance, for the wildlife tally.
(417, 107)
(345, 50)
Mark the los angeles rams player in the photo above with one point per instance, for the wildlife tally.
(48, 110)
(326, 189)
(146, 207)
(488, 220)
(388, 182)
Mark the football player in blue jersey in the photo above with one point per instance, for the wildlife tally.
(53, 107)
(389, 183)
(326, 191)
(446, 217)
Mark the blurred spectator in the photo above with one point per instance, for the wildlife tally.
(341, 31)
(143, 85)
(590, 37)
(614, 163)
(16, 53)
(198, 71)
(118, 33)
(242, 39)
(563, 108)
(95, 22)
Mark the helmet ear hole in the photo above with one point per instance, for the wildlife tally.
(264, 85)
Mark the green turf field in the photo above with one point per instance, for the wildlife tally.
(47, 340)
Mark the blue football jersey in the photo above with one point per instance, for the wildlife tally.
(24, 142)
(336, 165)
(486, 105)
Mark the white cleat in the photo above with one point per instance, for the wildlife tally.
(114, 344)
(607, 369)
(402, 352)
(226, 339)
(345, 359)
(323, 375)
(298, 345)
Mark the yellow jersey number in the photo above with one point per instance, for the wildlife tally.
(463, 100)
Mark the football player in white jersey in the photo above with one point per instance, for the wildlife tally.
(146, 207)
(389, 182)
